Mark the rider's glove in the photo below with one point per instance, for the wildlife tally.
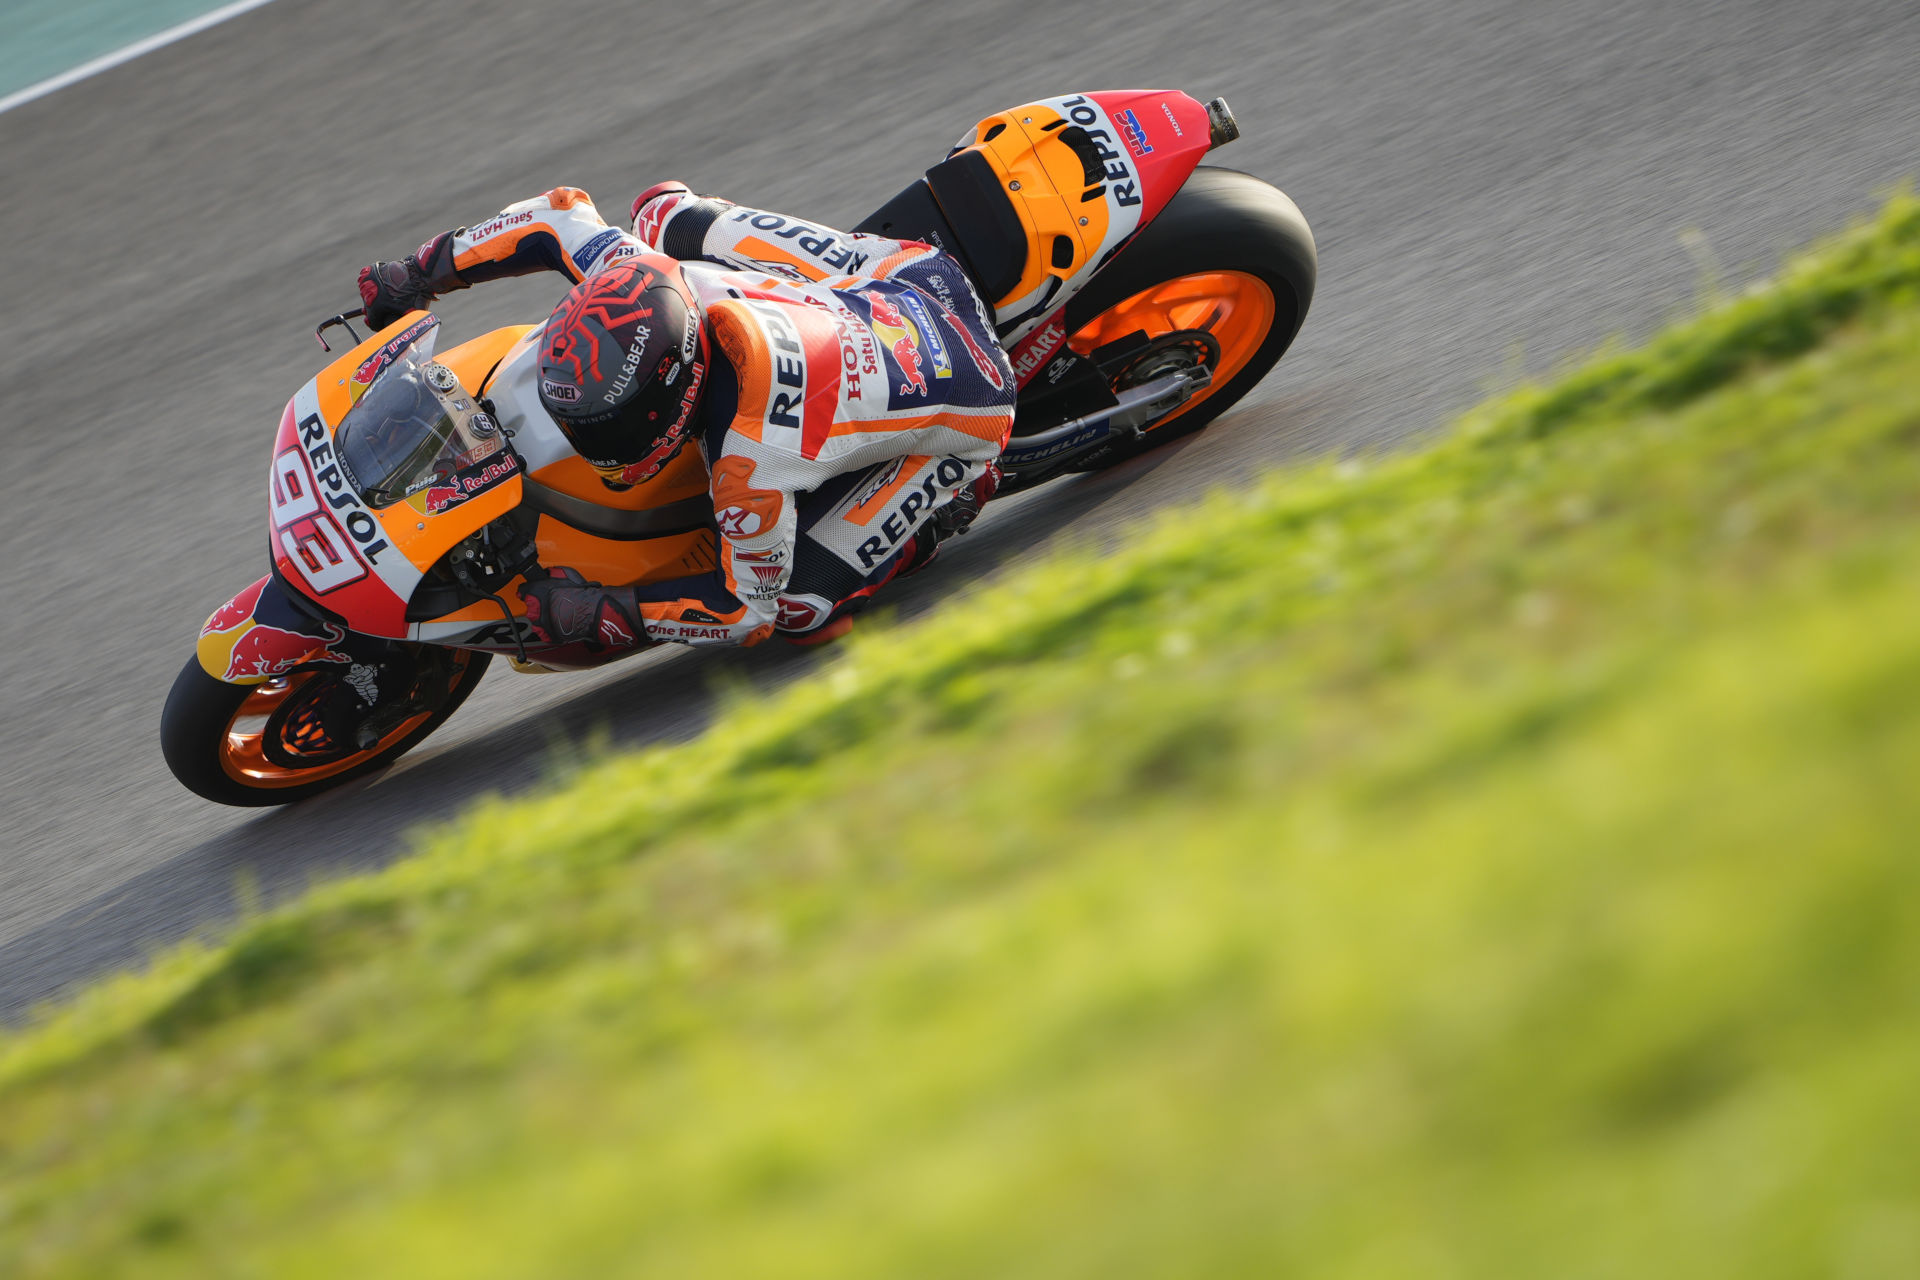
(565, 608)
(388, 290)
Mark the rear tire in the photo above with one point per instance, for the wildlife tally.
(201, 711)
(1221, 221)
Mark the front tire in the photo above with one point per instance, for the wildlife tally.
(1228, 270)
(248, 746)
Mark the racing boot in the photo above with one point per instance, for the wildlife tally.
(953, 518)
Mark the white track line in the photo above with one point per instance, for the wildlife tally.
(128, 54)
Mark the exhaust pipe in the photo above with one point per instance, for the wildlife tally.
(1222, 128)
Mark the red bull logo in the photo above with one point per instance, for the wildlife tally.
(898, 335)
(261, 652)
(363, 378)
(884, 312)
(376, 364)
(908, 357)
(437, 497)
(237, 610)
(237, 648)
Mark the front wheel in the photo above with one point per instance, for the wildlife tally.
(1221, 278)
(310, 730)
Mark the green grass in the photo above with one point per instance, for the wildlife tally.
(1490, 860)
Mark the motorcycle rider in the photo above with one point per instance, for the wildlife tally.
(846, 391)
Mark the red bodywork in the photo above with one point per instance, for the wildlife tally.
(325, 542)
(1174, 129)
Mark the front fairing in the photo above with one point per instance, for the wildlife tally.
(360, 563)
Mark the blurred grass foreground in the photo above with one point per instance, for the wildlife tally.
(1496, 859)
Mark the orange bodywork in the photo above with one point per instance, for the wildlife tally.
(331, 383)
(1047, 184)
(620, 562)
(475, 361)
(573, 475)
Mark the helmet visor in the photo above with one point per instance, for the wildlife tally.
(415, 426)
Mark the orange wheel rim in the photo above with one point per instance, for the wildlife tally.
(1235, 308)
(243, 749)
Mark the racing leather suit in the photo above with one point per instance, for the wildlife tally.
(857, 385)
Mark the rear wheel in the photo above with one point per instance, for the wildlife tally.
(1221, 278)
(308, 731)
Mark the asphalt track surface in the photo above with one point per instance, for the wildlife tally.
(1495, 185)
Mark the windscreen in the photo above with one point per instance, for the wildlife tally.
(414, 427)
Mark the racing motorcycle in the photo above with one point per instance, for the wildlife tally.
(1138, 295)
